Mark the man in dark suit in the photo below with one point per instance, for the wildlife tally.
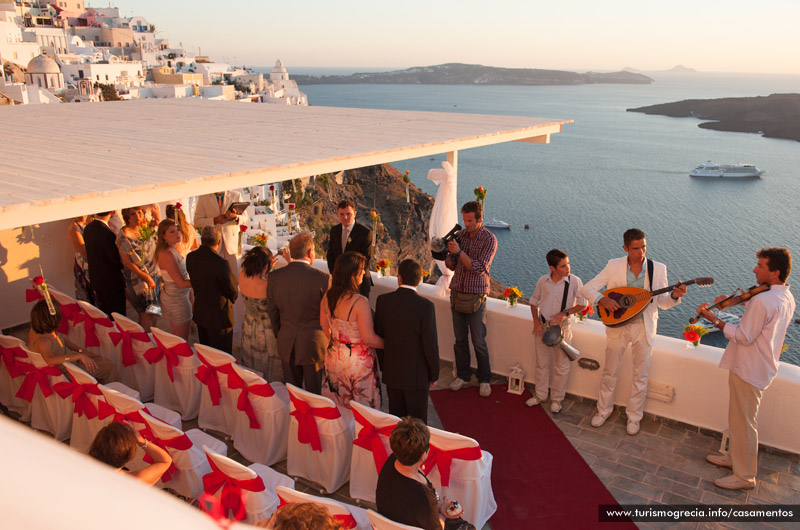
(215, 290)
(349, 235)
(105, 265)
(294, 295)
(410, 358)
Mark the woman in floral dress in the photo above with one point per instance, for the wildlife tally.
(351, 368)
(259, 345)
(141, 280)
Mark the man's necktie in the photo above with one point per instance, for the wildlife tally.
(345, 235)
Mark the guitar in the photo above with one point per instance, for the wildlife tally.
(633, 301)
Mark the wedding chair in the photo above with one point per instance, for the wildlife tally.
(261, 433)
(71, 318)
(189, 462)
(126, 408)
(13, 366)
(96, 329)
(84, 393)
(217, 401)
(380, 522)
(131, 343)
(370, 449)
(320, 440)
(228, 479)
(460, 470)
(176, 387)
(49, 412)
(350, 517)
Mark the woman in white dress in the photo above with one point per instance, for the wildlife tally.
(175, 305)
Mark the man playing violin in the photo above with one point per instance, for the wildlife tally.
(639, 332)
(751, 358)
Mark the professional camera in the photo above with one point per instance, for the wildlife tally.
(439, 244)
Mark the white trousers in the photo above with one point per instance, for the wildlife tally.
(743, 426)
(552, 369)
(617, 340)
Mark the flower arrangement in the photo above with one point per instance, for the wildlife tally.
(145, 232)
(511, 295)
(586, 313)
(290, 210)
(480, 196)
(374, 216)
(261, 240)
(41, 287)
(692, 333)
(425, 273)
(407, 180)
(178, 206)
(383, 266)
(242, 230)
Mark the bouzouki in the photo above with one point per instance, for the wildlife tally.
(632, 301)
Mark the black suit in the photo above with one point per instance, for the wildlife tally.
(410, 358)
(105, 267)
(360, 240)
(215, 290)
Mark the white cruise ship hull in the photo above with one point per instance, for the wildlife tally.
(737, 171)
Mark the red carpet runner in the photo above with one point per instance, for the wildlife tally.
(539, 479)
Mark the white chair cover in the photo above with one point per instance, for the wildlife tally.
(84, 428)
(13, 354)
(189, 459)
(470, 480)
(363, 470)
(260, 504)
(180, 393)
(330, 467)
(350, 516)
(141, 374)
(214, 365)
(48, 413)
(97, 321)
(268, 443)
(70, 309)
(380, 522)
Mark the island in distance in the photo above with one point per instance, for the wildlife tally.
(774, 116)
(474, 74)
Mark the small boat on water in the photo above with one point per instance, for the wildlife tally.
(494, 223)
(735, 171)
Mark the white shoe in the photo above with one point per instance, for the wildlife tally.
(486, 390)
(599, 419)
(457, 384)
(532, 402)
(633, 427)
(719, 460)
(732, 482)
(555, 407)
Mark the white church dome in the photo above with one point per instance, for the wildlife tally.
(42, 64)
(279, 68)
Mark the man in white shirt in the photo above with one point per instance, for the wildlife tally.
(752, 357)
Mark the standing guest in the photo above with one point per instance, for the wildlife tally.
(470, 255)
(294, 294)
(189, 239)
(259, 345)
(42, 338)
(555, 298)
(80, 269)
(115, 445)
(752, 359)
(215, 291)
(176, 288)
(140, 270)
(350, 236)
(410, 358)
(632, 270)
(115, 222)
(216, 209)
(351, 368)
(105, 265)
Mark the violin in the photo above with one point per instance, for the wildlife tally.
(738, 297)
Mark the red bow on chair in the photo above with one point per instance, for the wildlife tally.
(182, 443)
(153, 355)
(307, 432)
(37, 376)
(347, 521)
(127, 338)
(89, 323)
(80, 396)
(69, 312)
(369, 437)
(208, 374)
(31, 295)
(231, 496)
(9, 356)
(444, 459)
(105, 409)
(243, 403)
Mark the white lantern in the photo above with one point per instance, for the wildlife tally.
(516, 380)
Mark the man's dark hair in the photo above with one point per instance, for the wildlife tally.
(778, 259)
(410, 272)
(555, 256)
(41, 320)
(631, 235)
(101, 214)
(114, 444)
(210, 236)
(409, 440)
(473, 207)
(346, 203)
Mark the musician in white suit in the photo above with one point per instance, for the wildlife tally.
(639, 332)
(215, 209)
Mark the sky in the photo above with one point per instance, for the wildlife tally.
(578, 35)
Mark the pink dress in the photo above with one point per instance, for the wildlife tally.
(351, 368)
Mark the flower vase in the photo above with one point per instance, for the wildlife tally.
(511, 302)
(383, 273)
(692, 345)
(581, 320)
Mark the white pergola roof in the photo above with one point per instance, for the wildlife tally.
(61, 161)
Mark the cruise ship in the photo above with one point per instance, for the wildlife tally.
(735, 171)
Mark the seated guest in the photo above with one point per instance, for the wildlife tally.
(171, 266)
(303, 516)
(259, 345)
(115, 445)
(404, 494)
(42, 338)
(140, 271)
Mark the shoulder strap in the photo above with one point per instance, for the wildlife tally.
(564, 298)
(351, 307)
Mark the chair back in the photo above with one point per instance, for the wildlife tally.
(230, 467)
(212, 356)
(126, 324)
(328, 426)
(380, 522)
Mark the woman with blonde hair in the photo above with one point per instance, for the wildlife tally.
(189, 239)
(171, 265)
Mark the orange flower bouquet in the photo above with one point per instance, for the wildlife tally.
(692, 333)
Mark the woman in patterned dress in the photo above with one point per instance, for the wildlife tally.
(259, 345)
(140, 272)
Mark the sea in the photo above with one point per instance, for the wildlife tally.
(611, 170)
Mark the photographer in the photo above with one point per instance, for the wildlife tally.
(470, 256)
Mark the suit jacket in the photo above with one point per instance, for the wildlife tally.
(208, 208)
(294, 294)
(105, 263)
(360, 241)
(407, 323)
(215, 288)
(615, 275)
